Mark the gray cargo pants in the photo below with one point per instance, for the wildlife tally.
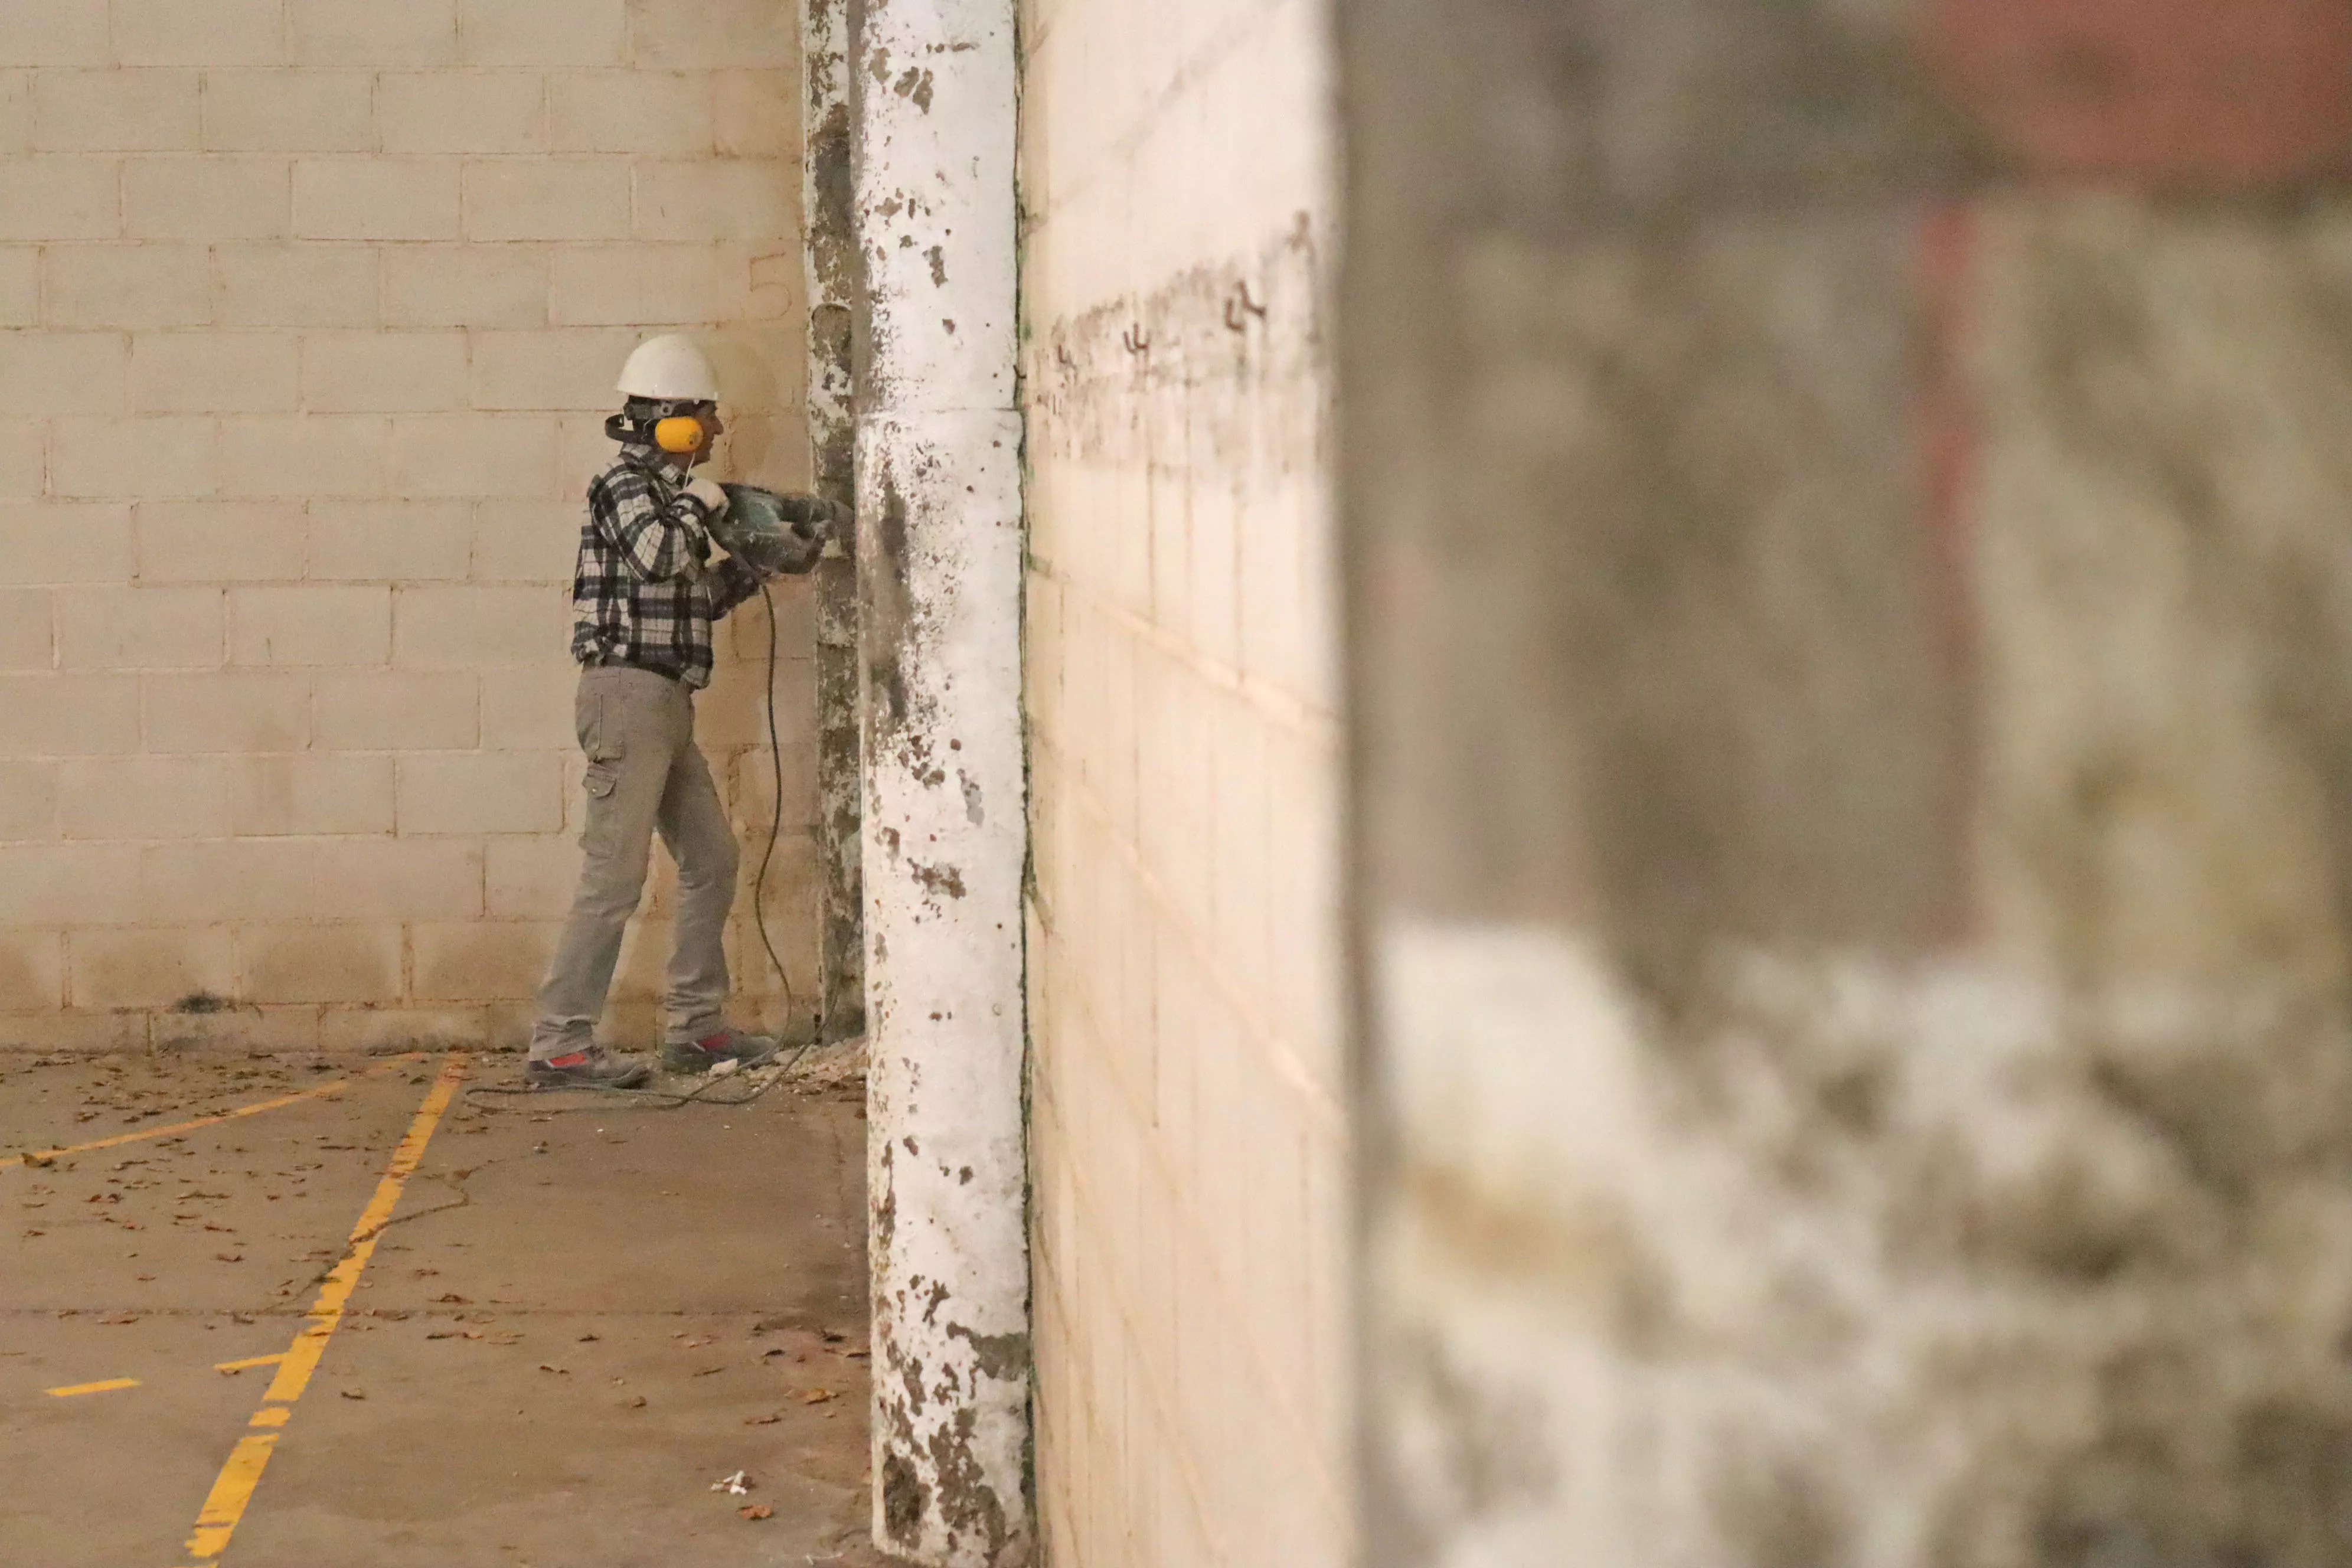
(645, 773)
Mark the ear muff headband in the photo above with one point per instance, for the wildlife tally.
(680, 433)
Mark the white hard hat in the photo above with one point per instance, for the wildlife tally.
(669, 370)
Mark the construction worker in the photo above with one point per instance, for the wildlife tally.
(651, 582)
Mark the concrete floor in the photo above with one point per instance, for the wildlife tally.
(579, 1320)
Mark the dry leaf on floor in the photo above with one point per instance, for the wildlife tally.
(818, 1397)
(551, 1367)
(355, 1393)
(757, 1511)
(762, 1420)
(636, 1403)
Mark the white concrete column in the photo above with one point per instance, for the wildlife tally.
(939, 483)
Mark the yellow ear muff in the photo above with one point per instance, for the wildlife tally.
(678, 433)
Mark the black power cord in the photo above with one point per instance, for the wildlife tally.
(775, 831)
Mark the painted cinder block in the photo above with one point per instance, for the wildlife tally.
(528, 707)
(740, 198)
(530, 878)
(480, 961)
(712, 34)
(306, 285)
(399, 710)
(647, 284)
(475, 627)
(502, 456)
(465, 286)
(55, 197)
(309, 794)
(26, 640)
(206, 881)
(527, 542)
(552, 198)
(47, 542)
(404, 541)
(214, 196)
(639, 112)
(149, 968)
(401, 878)
(69, 715)
(15, 113)
(24, 459)
(371, 33)
(542, 32)
(119, 287)
(289, 111)
(462, 112)
(20, 286)
(139, 628)
(213, 372)
(244, 1028)
(342, 963)
(481, 792)
(565, 370)
(227, 712)
(32, 972)
(61, 372)
(199, 31)
(59, 884)
(143, 798)
(369, 1029)
(156, 457)
(351, 372)
(310, 625)
(376, 198)
(756, 114)
(69, 33)
(220, 541)
(342, 456)
(115, 111)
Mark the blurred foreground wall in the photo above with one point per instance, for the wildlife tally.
(1846, 516)
(309, 313)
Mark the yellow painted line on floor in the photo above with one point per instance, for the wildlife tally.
(232, 1490)
(249, 1360)
(108, 1386)
(337, 1086)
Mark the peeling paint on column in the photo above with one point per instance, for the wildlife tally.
(831, 291)
(938, 460)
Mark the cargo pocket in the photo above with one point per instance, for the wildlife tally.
(596, 719)
(601, 834)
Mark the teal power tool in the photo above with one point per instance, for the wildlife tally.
(780, 534)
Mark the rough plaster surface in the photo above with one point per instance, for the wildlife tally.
(307, 327)
(1188, 1132)
(939, 446)
(832, 265)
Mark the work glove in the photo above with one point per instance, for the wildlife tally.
(707, 491)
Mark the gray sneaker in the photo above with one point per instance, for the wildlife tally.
(715, 1050)
(594, 1068)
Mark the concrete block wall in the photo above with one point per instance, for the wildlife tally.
(309, 312)
(1188, 1141)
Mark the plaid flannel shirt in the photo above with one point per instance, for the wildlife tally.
(644, 594)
